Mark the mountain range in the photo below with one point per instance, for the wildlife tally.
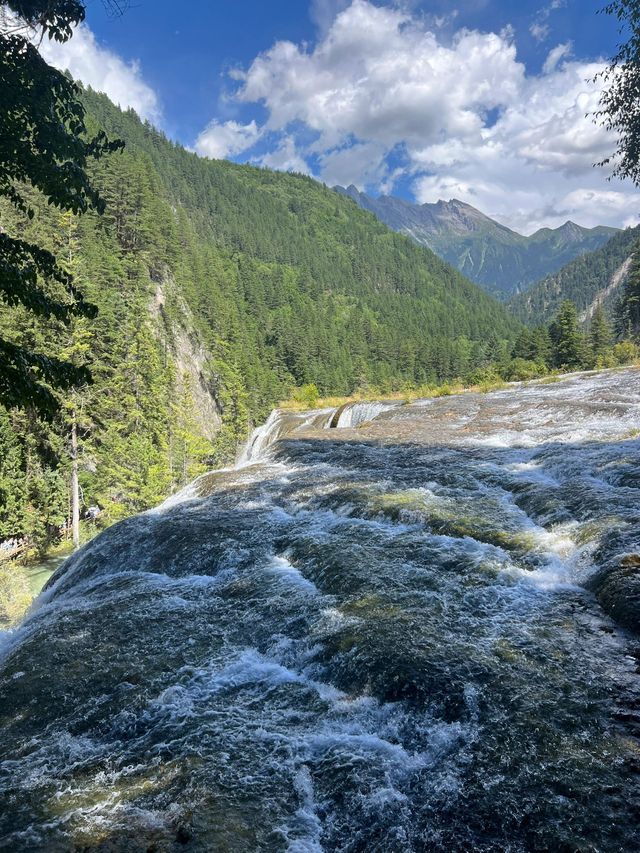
(500, 260)
(592, 279)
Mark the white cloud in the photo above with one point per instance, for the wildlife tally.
(382, 94)
(556, 55)
(219, 140)
(380, 76)
(540, 28)
(104, 71)
(323, 12)
(539, 31)
(285, 158)
(362, 164)
(534, 166)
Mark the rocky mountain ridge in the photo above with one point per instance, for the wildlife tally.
(502, 261)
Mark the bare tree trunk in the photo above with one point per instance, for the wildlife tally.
(75, 489)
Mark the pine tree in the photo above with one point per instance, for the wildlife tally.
(567, 341)
(44, 146)
(13, 494)
(600, 335)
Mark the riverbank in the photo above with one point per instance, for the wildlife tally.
(21, 581)
(301, 402)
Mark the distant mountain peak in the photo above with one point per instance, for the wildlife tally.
(492, 255)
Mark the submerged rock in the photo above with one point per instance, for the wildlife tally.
(618, 590)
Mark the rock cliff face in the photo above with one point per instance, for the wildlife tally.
(502, 261)
(191, 360)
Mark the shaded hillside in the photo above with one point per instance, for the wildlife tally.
(592, 279)
(500, 260)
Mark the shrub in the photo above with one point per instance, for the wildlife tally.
(307, 395)
(442, 391)
(606, 359)
(625, 352)
(483, 376)
(15, 594)
(521, 369)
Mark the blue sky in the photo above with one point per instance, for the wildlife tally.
(185, 59)
(483, 100)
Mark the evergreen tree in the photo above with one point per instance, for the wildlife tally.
(600, 335)
(568, 346)
(43, 145)
(13, 496)
(273, 280)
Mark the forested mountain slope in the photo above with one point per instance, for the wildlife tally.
(500, 260)
(320, 294)
(590, 280)
(219, 288)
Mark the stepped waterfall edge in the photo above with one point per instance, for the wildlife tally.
(384, 636)
(282, 423)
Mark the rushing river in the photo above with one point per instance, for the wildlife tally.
(384, 636)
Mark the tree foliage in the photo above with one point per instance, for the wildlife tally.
(620, 101)
(277, 281)
(44, 146)
(600, 334)
(628, 308)
(567, 341)
(236, 282)
(585, 280)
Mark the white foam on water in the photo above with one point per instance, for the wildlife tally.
(533, 472)
(281, 701)
(278, 425)
(308, 823)
(189, 493)
(283, 569)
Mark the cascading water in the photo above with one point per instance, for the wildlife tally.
(354, 414)
(279, 424)
(382, 639)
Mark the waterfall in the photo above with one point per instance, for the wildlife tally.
(354, 414)
(383, 642)
(281, 423)
(278, 425)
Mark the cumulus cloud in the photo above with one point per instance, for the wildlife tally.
(222, 139)
(382, 95)
(378, 75)
(535, 164)
(362, 164)
(323, 12)
(104, 71)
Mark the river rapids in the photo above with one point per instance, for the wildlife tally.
(398, 628)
